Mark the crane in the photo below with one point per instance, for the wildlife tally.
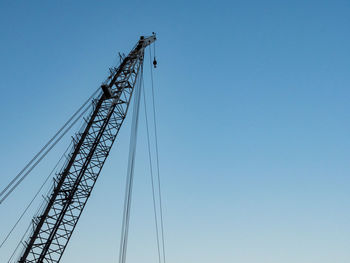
(54, 226)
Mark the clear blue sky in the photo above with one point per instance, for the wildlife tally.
(254, 124)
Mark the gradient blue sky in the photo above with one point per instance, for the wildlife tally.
(254, 124)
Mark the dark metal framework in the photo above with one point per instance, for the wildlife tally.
(54, 226)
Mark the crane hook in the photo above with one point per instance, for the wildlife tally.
(154, 62)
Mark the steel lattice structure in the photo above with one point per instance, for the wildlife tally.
(53, 228)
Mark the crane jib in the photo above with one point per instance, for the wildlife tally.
(53, 228)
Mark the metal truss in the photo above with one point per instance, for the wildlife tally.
(54, 226)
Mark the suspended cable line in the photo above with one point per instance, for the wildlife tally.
(20, 242)
(130, 171)
(35, 196)
(151, 172)
(157, 159)
(42, 157)
(30, 166)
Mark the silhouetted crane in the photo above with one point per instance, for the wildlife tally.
(54, 226)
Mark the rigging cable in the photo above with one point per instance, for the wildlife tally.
(157, 159)
(42, 157)
(151, 172)
(20, 242)
(130, 172)
(30, 203)
(35, 196)
(6, 191)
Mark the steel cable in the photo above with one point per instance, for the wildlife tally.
(46, 152)
(157, 159)
(130, 173)
(33, 199)
(151, 172)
